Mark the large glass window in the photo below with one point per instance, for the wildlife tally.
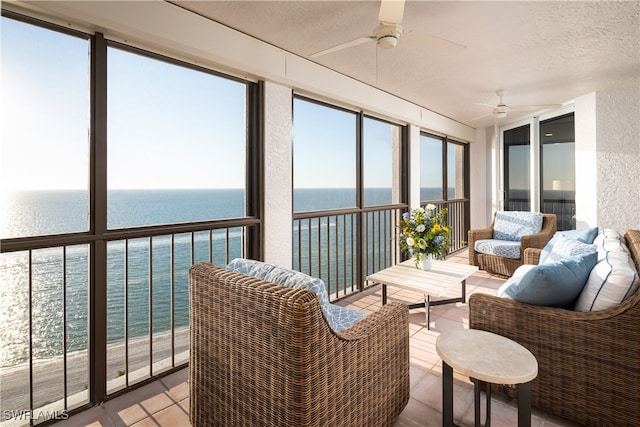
(176, 143)
(455, 170)
(517, 177)
(324, 157)
(443, 182)
(557, 144)
(381, 162)
(431, 164)
(44, 176)
(44, 144)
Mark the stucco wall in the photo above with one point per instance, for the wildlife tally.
(618, 158)
(608, 159)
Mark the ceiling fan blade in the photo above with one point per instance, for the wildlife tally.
(535, 107)
(447, 42)
(482, 116)
(485, 105)
(433, 43)
(341, 46)
(391, 11)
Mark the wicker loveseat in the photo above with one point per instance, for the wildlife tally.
(502, 265)
(264, 355)
(589, 362)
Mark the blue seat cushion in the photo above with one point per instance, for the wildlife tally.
(512, 225)
(501, 248)
(339, 318)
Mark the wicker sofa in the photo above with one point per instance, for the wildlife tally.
(264, 355)
(502, 265)
(589, 362)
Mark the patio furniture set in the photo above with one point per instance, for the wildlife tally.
(588, 368)
(268, 348)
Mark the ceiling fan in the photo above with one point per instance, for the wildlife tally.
(502, 110)
(386, 34)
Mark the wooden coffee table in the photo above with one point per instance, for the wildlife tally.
(443, 276)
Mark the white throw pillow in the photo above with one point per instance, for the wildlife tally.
(612, 280)
(608, 240)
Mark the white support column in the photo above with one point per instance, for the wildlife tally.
(414, 166)
(586, 162)
(278, 180)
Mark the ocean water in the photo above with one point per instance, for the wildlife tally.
(60, 278)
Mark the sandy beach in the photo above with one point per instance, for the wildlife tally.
(48, 375)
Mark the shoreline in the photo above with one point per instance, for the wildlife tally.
(48, 375)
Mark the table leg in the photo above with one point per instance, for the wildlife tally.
(524, 405)
(427, 308)
(464, 291)
(477, 389)
(476, 401)
(384, 294)
(447, 395)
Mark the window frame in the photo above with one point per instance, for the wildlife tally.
(98, 235)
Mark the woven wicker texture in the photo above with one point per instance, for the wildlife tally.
(263, 355)
(588, 362)
(506, 266)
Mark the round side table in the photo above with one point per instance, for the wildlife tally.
(486, 358)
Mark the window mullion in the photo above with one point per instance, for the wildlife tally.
(97, 339)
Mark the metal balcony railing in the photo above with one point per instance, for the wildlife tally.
(51, 362)
(343, 247)
(48, 366)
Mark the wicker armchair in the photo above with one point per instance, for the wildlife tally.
(506, 266)
(264, 355)
(588, 362)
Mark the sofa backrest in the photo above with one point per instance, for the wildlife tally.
(614, 279)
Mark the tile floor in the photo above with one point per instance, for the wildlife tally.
(166, 401)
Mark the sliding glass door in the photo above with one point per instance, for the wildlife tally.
(539, 167)
(558, 173)
(517, 172)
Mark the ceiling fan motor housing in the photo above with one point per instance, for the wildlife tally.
(388, 35)
(501, 110)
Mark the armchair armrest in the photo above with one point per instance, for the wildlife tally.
(477, 234)
(375, 356)
(481, 233)
(393, 316)
(532, 256)
(539, 240)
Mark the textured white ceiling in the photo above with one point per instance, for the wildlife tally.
(541, 52)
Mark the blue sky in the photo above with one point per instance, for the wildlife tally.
(168, 126)
(41, 104)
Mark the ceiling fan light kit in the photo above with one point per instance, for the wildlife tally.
(388, 35)
(387, 42)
